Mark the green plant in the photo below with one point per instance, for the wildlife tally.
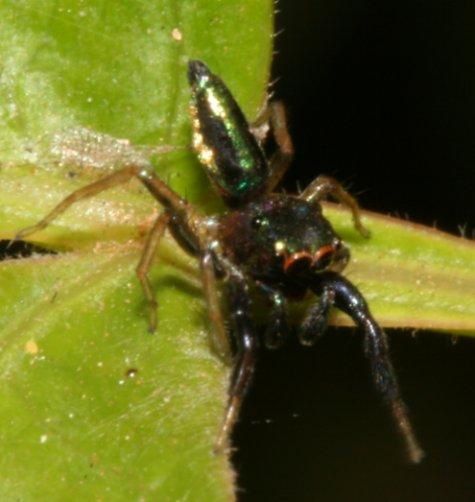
(89, 399)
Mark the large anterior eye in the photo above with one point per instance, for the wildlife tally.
(323, 257)
(297, 263)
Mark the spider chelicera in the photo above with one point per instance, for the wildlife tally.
(280, 243)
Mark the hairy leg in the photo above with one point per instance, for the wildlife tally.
(274, 115)
(219, 335)
(146, 260)
(348, 299)
(178, 210)
(157, 188)
(247, 344)
(323, 187)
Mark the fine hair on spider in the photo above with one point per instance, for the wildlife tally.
(280, 243)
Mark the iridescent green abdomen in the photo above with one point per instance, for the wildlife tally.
(231, 155)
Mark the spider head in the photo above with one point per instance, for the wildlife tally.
(283, 238)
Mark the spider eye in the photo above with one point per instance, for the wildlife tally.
(297, 263)
(257, 222)
(323, 257)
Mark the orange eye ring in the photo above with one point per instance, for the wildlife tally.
(295, 257)
(313, 260)
(323, 252)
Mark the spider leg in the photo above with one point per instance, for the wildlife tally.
(159, 190)
(247, 344)
(277, 327)
(219, 335)
(177, 210)
(143, 267)
(274, 115)
(316, 318)
(85, 192)
(190, 242)
(348, 299)
(323, 187)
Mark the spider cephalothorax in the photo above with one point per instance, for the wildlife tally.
(281, 237)
(281, 244)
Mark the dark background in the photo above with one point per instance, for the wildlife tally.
(382, 96)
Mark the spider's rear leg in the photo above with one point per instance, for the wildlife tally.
(348, 299)
(247, 344)
(323, 187)
(165, 195)
(146, 260)
(114, 179)
(273, 115)
(160, 191)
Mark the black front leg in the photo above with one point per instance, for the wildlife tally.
(347, 298)
(245, 361)
(277, 327)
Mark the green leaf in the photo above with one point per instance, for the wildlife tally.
(90, 400)
(91, 404)
(412, 276)
(84, 87)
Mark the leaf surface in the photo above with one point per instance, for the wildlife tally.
(92, 405)
(412, 276)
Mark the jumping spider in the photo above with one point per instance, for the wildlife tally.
(280, 243)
